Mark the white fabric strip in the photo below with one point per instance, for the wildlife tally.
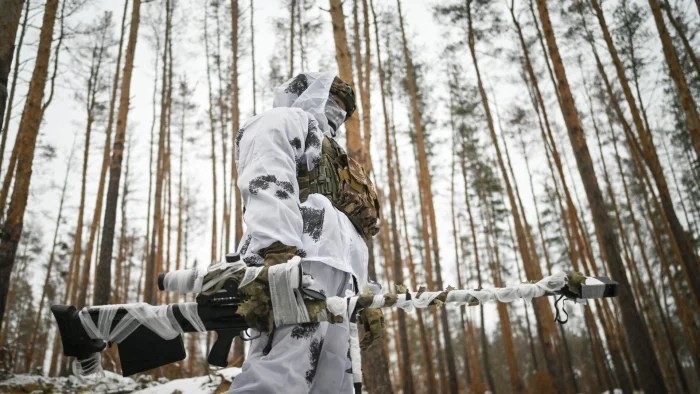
(355, 354)
(159, 319)
(185, 281)
(287, 303)
(189, 311)
(377, 301)
(526, 291)
(250, 274)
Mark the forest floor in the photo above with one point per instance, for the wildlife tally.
(215, 383)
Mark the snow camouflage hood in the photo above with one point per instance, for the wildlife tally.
(309, 91)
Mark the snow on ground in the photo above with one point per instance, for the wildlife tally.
(216, 383)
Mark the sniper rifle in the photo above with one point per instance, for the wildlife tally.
(149, 336)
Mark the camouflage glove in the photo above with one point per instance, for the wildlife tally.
(257, 305)
(372, 320)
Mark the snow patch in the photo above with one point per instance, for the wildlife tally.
(112, 383)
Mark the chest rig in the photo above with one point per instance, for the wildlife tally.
(344, 182)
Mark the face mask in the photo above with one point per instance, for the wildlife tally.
(335, 115)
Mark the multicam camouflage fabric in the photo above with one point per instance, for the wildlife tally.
(257, 305)
(344, 92)
(346, 184)
(372, 320)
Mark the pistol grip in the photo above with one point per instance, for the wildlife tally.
(218, 355)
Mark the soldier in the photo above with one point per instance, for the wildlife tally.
(303, 196)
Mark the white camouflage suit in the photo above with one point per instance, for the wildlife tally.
(307, 358)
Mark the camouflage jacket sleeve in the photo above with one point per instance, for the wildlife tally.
(268, 149)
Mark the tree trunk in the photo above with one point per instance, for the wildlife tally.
(252, 60)
(637, 231)
(147, 250)
(342, 58)
(238, 355)
(92, 87)
(377, 383)
(427, 204)
(225, 222)
(679, 235)
(103, 283)
(5, 191)
(8, 115)
(292, 9)
(29, 127)
(683, 37)
(692, 339)
(168, 175)
(155, 255)
(97, 213)
(123, 242)
(366, 92)
(647, 364)
(532, 269)
(455, 239)
(478, 384)
(423, 334)
(688, 104)
(32, 343)
(213, 143)
(184, 95)
(9, 22)
(516, 381)
(357, 48)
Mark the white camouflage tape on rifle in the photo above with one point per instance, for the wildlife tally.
(527, 291)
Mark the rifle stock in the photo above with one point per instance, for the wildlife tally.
(143, 349)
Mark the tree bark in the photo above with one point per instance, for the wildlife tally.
(366, 92)
(380, 381)
(213, 143)
(342, 58)
(9, 22)
(119, 287)
(103, 272)
(478, 383)
(252, 60)
(8, 115)
(292, 9)
(425, 184)
(455, 239)
(29, 130)
(238, 355)
(647, 364)
(423, 334)
(688, 104)
(683, 37)
(224, 234)
(155, 258)
(7, 181)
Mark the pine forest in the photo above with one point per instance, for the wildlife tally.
(507, 140)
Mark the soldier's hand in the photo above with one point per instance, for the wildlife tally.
(372, 320)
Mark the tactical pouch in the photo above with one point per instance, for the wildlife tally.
(346, 184)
